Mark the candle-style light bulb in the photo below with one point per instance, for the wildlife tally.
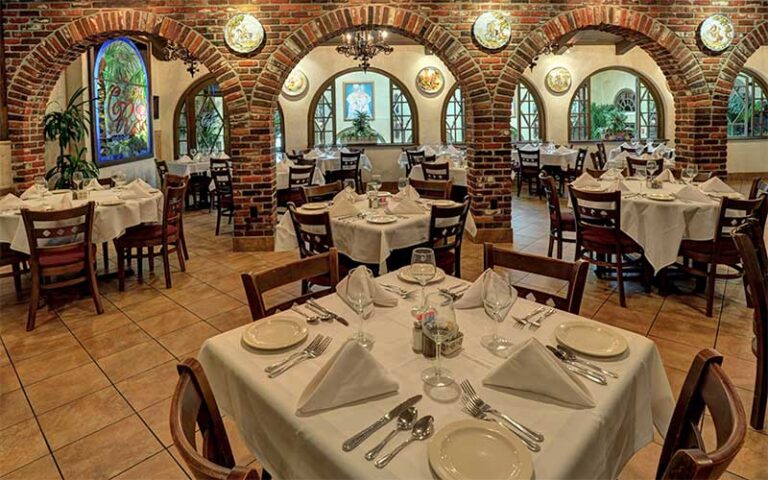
(383, 34)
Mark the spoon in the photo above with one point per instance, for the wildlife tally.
(311, 320)
(422, 430)
(571, 355)
(326, 317)
(404, 422)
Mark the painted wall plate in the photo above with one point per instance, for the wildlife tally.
(296, 83)
(558, 80)
(430, 80)
(244, 33)
(716, 32)
(492, 30)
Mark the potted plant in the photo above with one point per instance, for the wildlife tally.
(360, 131)
(69, 127)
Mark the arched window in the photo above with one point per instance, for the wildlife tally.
(201, 121)
(279, 129)
(121, 110)
(527, 120)
(354, 107)
(615, 104)
(748, 107)
(453, 117)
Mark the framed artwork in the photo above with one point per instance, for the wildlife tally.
(558, 80)
(296, 84)
(716, 32)
(430, 80)
(244, 33)
(358, 97)
(492, 30)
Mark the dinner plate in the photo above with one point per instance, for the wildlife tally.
(590, 188)
(404, 274)
(314, 206)
(381, 219)
(660, 197)
(470, 449)
(442, 203)
(591, 339)
(724, 194)
(274, 333)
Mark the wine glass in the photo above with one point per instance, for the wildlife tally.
(640, 173)
(41, 185)
(77, 180)
(376, 182)
(687, 175)
(359, 293)
(439, 324)
(423, 270)
(650, 168)
(691, 171)
(402, 182)
(498, 297)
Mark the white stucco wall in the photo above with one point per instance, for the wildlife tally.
(751, 155)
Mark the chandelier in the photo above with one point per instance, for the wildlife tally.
(363, 45)
(174, 51)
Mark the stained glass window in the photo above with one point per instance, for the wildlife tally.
(121, 109)
(202, 125)
(748, 107)
(453, 117)
(526, 114)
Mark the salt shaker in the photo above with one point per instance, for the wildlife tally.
(418, 341)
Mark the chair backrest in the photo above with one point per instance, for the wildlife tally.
(635, 150)
(432, 189)
(350, 161)
(60, 231)
(704, 176)
(295, 156)
(553, 199)
(601, 154)
(173, 206)
(446, 226)
(300, 175)
(581, 157)
(415, 157)
(677, 173)
(430, 158)
(575, 273)
(174, 180)
(320, 193)
(754, 257)
(706, 387)
(530, 159)
(257, 284)
(162, 170)
(734, 213)
(634, 162)
(219, 164)
(599, 211)
(222, 179)
(109, 183)
(595, 173)
(193, 406)
(313, 231)
(436, 171)
(596, 164)
(759, 187)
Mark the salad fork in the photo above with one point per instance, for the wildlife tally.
(467, 388)
(523, 322)
(315, 341)
(314, 352)
(536, 323)
(473, 409)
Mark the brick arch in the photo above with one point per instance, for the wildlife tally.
(680, 66)
(29, 90)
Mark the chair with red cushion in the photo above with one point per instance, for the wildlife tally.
(165, 235)
(61, 253)
(560, 219)
(599, 238)
(446, 232)
(176, 181)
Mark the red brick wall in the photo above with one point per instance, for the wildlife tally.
(42, 37)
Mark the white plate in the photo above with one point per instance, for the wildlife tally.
(660, 197)
(724, 194)
(591, 189)
(470, 449)
(111, 202)
(404, 274)
(591, 339)
(442, 203)
(275, 333)
(314, 206)
(381, 219)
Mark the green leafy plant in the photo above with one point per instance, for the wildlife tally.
(360, 130)
(607, 120)
(68, 127)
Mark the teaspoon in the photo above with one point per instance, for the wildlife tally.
(422, 430)
(404, 422)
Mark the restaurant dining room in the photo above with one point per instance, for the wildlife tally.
(452, 240)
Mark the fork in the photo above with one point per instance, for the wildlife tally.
(318, 338)
(467, 388)
(311, 353)
(474, 409)
(523, 322)
(536, 323)
(399, 290)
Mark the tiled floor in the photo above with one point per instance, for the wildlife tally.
(86, 396)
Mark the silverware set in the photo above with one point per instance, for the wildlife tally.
(580, 366)
(456, 291)
(324, 313)
(475, 406)
(530, 320)
(399, 291)
(316, 347)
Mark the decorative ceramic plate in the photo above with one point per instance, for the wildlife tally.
(404, 274)
(296, 83)
(591, 339)
(315, 206)
(492, 30)
(381, 219)
(660, 197)
(558, 80)
(430, 80)
(275, 333)
(717, 32)
(475, 449)
(244, 33)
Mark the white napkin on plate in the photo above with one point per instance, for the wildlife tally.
(347, 194)
(134, 191)
(404, 206)
(65, 203)
(12, 202)
(184, 159)
(93, 184)
(473, 296)
(342, 207)
(408, 192)
(621, 186)
(351, 375)
(689, 192)
(666, 176)
(612, 174)
(585, 180)
(381, 297)
(714, 185)
(532, 368)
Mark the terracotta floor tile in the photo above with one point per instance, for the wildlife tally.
(8, 379)
(156, 416)
(741, 372)
(63, 388)
(155, 306)
(151, 386)
(187, 338)
(168, 321)
(21, 444)
(109, 451)
(134, 360)
(115, 341)
(159, 466)
(132, 296)
(41, 469)
(88, 327)
(84, 308)
(628, 318)
(44, 339)
(191, 293)
(14, 408)
(675, 354)
(232, 319)
(75, 420)
(210, 307)
(243, 456)
(40, 367)
(699, 333)
(643, 464)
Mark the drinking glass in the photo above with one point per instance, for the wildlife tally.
(640, 173)
(402, 182)
(439, 324)
(77, 180)
(359, 293)
(376, 182)
(423, 270)
(498, 298)
(691, 171)
(41, 185)
(650, 169)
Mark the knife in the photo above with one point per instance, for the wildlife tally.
(575, 368)
(328, 312)
(360, 437)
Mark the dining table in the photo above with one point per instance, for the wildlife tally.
(578, 442)
(188, 167)
(457, 173)
(655, 152)
(563, 158)
(330, 160)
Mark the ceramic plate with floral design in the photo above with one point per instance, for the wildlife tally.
(558, 80)
(296, 83)
(244, 33)
(492, 30)
(430, 80)
(717, 32)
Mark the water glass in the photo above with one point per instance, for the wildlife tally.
(439, 324)
(691, 170)
(41, 185)
(650, 169)
(376, 182)
(77, 180)
(402, 182)
(423, 269)
(498, 298)
(359, 294)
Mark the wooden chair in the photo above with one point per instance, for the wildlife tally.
(322, 193)
(446, 232)
(306, 270)
(759, 187)
(684, 454)
(300, 176)
(432, 189)
(599, 173)
(224, 193)
(598, 232)
(193, 406)
(632, 150)
(415, 157)
(109, 183)
(61, 253)
(573, 172)
(162, 170)
(18, 263)
(178, 181)
(436, 171)
(751, 246)
(528, 170)
(560, 220)
(596, 163)
(350, 169)
(633, 163)
(721, 250)
(601, 154)
(165, 235)
(575, 273)
(430, 158)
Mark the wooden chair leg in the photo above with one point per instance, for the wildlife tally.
(551, 244)
(760, 399)
(184, 239)
(519, 184)
(16, 268)
(620, 279)
(218, 220)
(151, 258)
(166, 267)
(559, 245)
(93, 286)
(105, 256)
(710, 292)
(120, 268)
(182, 264)
(34, 300)
(140, 264)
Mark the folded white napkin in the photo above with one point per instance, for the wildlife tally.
(134, 191)
(140, 183)
(197, 157)
(381, 297)
(621, 186)
(427, 150)
(404, 206)
(284, 166)
(408, 192)
(714, 185)
(344, 150)
(452, 150)
(666, 176)
(527, 146)
(585, 180)
(612, 174)
(12, 202)
(221, 156)
(689, 192)
(473, 296)
(31, 192)
(342, 207)
(563, 149)
(93, 184)
(347, 194)
(64, 203)
(351, 375)
(184, 159)
(532, 368)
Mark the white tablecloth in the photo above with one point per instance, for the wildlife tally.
(458, 175)
(620, 160)
(579, 443)
(550, 158)
(185, 169)
(332, 161)
(108, 224)
(365, 242)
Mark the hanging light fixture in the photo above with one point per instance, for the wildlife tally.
(364, 44)
(174, 51)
